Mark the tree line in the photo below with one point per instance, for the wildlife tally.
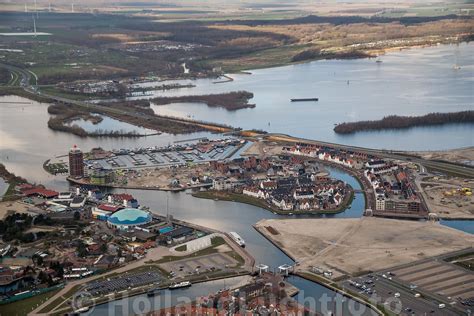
(399, 122)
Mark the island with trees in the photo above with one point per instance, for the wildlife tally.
(401, 122)
(231, 101)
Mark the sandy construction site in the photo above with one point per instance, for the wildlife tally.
(352, 246)
(449, 198)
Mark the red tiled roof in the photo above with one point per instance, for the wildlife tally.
(109, 207)
(40, 191)
(269, 184)
(123, 196)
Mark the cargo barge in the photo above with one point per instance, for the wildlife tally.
(304, 100)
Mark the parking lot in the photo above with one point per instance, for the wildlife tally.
(442, 278)
(396, 298)
(122, 283)
(204, 264)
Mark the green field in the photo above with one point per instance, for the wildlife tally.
(25, 306)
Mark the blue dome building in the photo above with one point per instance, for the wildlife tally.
(129, 218)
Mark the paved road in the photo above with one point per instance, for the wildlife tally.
(427, 304)
(406, 303)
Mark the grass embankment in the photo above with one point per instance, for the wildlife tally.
(25, 94)
(241, 198)
(465, 260)
(66, 94)
(215, 242)
(23, 307)
(12, 181)
(181, 248)
(60, 300)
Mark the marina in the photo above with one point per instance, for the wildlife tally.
(199, 151)
(23, 156)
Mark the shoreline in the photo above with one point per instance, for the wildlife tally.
(319, 280)
(246, 268)
(113, 186)
(374, 53)
(241, 198)
(395, 122)
(144, 291)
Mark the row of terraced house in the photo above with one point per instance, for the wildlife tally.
(303, 193)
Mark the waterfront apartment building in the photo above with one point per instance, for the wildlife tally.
(396, 205)
(76, 163)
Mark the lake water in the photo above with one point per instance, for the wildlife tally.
(109, 124)
(26, 142)
(408, 82)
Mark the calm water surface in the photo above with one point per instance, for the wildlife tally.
(109, 124)
(409, 82)
(425, 83)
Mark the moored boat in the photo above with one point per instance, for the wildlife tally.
(239, 240)
(179, 285)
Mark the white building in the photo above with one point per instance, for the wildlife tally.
(221, 184)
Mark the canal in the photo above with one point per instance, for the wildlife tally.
(424, 82)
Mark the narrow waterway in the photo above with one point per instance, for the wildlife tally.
(231, 216)
(414, 82)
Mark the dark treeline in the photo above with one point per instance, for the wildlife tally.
(150, 120)
(64, 114)
(230, 101)
(5, 76)
(14, 227)
(399, 122)
(338, 20)
(312, 54)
